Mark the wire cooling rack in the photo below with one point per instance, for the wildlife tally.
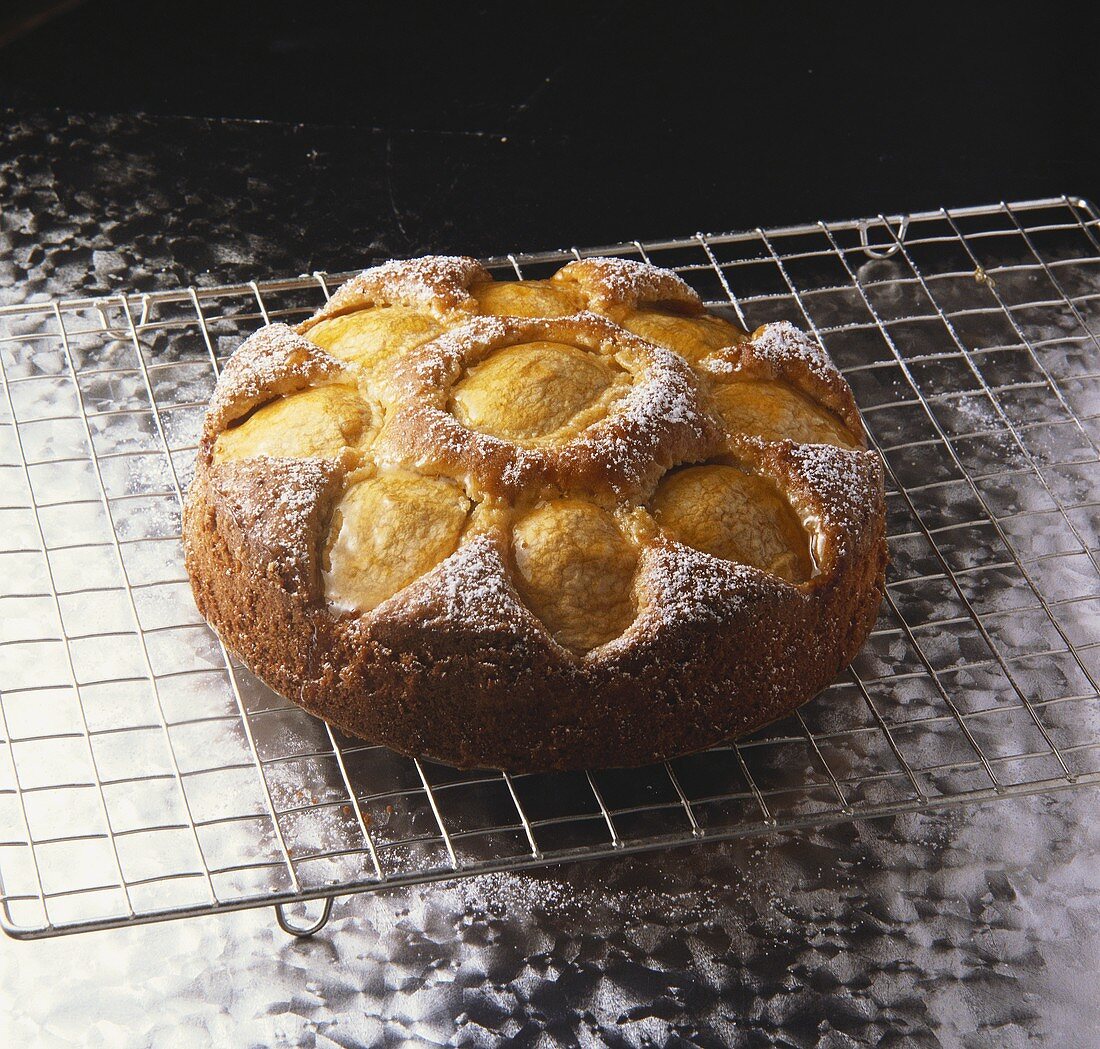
(145, 774)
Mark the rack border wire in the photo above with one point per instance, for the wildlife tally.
(348, 795)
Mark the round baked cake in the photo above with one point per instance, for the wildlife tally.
(530, 525)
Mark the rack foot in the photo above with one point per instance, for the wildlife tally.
(303, 932)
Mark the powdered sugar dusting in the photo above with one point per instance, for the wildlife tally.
(442, 361)
(473, 583)
(669, 395)
(520, 465)
(617, 282)
(659, 421)
(276, 502)
(836, 477)
(781, 343)
(696, 587)
(717, 365)
(842, 485)
(437, 284)
(662, 412)
(265, 365)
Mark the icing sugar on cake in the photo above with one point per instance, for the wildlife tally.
(616, 282)
(559, 574)
(271, 360)
(437, 284)
(781, 344)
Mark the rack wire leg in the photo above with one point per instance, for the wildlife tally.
(302, 933)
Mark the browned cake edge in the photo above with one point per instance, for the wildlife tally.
(459, 670)
(454, 666)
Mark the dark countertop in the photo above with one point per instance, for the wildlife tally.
(971, 928)
(577, 125)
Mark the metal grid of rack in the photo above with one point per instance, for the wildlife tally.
(146, 774)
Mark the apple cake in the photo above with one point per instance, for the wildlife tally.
(532, 525)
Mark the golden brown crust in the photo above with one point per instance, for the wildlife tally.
(271, 363)
(438, 285)
(456, 665)
(617, 286)
(780, 351)
(661, 421)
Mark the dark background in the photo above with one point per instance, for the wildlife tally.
(493, 127)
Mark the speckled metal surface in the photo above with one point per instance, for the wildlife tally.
(97, 204)
(971, 928)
